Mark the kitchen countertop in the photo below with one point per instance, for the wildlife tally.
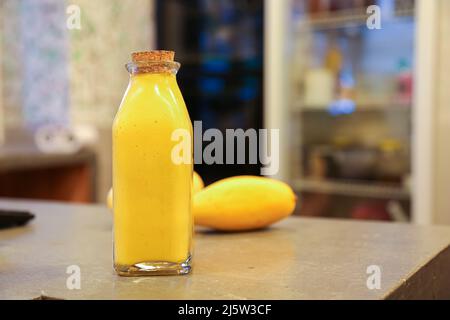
(298, 258)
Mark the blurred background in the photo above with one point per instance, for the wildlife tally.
(364, 113)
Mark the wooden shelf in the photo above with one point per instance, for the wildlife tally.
(357, 189)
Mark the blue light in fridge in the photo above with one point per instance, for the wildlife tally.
(215, 65)
(211, 85)
(346, 79)
(247, 93)
(341, 107)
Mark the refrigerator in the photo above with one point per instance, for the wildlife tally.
(220, 47)
(358, 88)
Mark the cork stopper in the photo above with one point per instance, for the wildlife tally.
(153, 56)
(155, 61)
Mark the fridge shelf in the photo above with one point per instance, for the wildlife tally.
(350, 188)
(298, 107)
(345, 18)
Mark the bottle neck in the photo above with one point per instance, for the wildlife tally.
(154, 80)
(153, 67)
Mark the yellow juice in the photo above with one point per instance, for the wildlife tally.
(152, 194)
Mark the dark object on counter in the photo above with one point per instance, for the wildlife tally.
(44, 297)
(14, 218)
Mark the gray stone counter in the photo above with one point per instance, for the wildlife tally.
(299, 258)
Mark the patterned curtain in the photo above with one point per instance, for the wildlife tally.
(44, 48)
(111, 29)
(55, 75)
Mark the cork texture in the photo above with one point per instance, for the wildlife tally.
(155, 61)
(153, 56)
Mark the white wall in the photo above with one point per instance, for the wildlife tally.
(276, 78)
(442, 176)
(431, 121)
(2, 122)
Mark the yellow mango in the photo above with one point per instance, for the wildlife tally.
(198, 183)
(243, 203)
(109, 198)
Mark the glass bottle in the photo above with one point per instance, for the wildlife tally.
(152, 190)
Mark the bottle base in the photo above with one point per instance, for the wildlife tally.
(154, 268)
